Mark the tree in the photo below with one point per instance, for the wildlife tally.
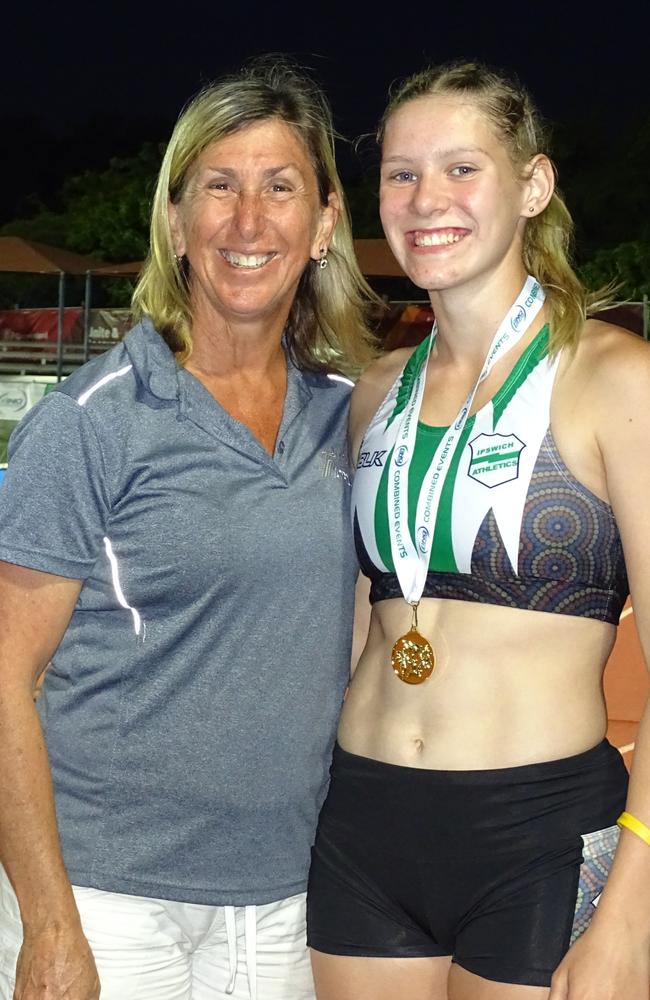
(627, 265)
(605, 182)
(103, 213)
(107, 212)
(363, 199)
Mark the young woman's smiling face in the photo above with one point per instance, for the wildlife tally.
(452, 205)
(248, 221)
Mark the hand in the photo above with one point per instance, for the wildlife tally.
(603, 967)
(57, 965)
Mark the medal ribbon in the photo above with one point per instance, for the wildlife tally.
(411, 559)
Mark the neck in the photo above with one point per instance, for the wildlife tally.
(468, 318)
(226, 348)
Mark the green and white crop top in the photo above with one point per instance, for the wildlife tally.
(514, 527)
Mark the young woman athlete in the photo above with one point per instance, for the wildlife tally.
(500, 504)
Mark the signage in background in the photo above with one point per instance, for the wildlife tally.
(41, 325)
(16, 398)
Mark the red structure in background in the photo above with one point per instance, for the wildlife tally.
(21, 327)
(41, 325)
(407, 324)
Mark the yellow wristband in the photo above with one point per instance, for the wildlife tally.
(635, 825)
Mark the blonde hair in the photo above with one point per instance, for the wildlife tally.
(548, 237)
(327, 325)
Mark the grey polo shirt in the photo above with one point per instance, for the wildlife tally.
(190, 708)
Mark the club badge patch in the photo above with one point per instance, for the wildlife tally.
(495, 458)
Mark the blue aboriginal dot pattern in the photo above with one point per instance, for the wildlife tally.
(570, 554)
(598, 854)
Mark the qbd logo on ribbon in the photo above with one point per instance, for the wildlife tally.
(422, 537)
(401, 455)
(518, 318)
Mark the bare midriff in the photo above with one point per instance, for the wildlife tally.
(510, 687)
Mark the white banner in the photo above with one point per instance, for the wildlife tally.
(16, 398)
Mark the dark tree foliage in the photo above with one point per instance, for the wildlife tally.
(108, 212)
(104, 213)
(363, 199)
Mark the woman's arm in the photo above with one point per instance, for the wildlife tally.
(611, 961)
(55, 960)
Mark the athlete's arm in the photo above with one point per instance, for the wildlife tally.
(55, 960)
(611, 961)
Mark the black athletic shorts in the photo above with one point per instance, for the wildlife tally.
(497, 868)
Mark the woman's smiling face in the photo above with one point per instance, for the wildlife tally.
(248, 221)
(451, 203)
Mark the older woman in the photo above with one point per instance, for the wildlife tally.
(472, 814)
(172, 518)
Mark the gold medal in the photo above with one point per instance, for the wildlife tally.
(412, 657)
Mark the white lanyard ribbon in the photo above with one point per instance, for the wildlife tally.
(411, 560)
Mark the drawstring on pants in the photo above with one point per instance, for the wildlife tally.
(250, 946)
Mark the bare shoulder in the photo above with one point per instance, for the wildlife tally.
(608, 378)
(371, 389)
(607, 337)
(615, 364)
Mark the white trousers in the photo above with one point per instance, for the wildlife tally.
(154, 949)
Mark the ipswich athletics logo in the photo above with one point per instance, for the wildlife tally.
(495, 459)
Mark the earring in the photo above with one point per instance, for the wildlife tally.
(531, 208)
(323, 262)
(178, 257)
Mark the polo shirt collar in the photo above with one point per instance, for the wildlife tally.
(158, 370)
(152, 360)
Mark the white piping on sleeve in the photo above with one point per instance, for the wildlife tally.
(340, 378)
(85, 396)
(119, 593)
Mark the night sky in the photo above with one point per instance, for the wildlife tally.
(83, 82)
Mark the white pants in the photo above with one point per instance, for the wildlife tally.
(154, 949)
